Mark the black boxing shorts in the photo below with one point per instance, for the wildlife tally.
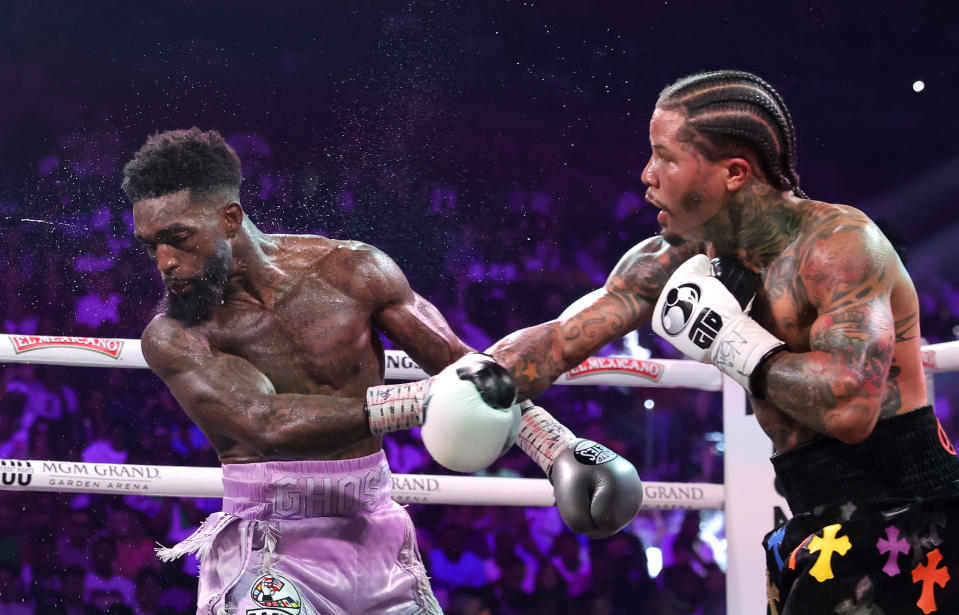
(875, 527)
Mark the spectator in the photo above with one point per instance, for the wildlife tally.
(114, 448)
(451, 563)
(511, 598)
(571, 559)
(149, 590)
(135, 550)
(73, 542)
(13, 600)
(103, 585)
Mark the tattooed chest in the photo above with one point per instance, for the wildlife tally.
(782, 308)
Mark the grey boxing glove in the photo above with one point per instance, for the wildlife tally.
(597, 492)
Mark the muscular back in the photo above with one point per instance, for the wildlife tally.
(840, 290)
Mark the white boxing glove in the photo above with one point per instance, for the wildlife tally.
(471, 414)
(698, 315)
(468, 412)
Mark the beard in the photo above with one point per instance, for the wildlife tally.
(688, 203)
(196, 306)
(672, 238)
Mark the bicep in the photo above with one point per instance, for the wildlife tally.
(848, 282)
(418, 328)
(860, 336)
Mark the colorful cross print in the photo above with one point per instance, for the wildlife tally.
(930, 577)
(944, 439)
(894, 546)
(827, 545)
(776, 539)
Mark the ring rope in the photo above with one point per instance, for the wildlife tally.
(181, 481)
(126, 353)
(611, 371)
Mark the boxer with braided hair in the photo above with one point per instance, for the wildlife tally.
(733, 113)
(808, 307)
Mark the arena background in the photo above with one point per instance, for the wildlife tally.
(494, 150)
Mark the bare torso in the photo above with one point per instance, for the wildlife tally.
(785, 307)
(315, 337)
(280, 371)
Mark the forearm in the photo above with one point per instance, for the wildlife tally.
(822, 392)
(535, 357)
(291, 426)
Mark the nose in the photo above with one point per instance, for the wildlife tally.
(648, 177)
(167, 261)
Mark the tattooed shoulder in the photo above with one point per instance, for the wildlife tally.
(843, 258)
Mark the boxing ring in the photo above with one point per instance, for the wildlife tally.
(751, 504)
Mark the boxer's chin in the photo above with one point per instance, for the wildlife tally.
(193, 308)
(671, 238)
(205, 295)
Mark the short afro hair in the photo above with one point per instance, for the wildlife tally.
(182, 159)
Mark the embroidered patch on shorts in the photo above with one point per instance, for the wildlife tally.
(274, 595)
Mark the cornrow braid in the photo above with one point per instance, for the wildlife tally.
(727, 110)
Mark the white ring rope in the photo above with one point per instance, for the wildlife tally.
(612, 371)
(181, 481)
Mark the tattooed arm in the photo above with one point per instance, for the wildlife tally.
(232, 402)
(836, 388)
(538, 355)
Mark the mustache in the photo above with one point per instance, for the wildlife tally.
(651, 199)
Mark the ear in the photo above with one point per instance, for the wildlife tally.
(738, 170)
(232, 219)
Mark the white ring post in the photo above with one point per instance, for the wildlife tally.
(752, 503)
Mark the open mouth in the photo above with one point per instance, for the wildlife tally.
(179, 287)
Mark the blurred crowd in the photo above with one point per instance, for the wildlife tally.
(70, 267)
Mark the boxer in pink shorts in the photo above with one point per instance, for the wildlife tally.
(272, 345)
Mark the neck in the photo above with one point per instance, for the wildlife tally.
(254, 270)
(755, 225)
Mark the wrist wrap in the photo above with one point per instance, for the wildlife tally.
(391, 407)
(541, 436)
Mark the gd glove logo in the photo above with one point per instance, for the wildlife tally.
(680, 303)
(592, 453)
(274, 595)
